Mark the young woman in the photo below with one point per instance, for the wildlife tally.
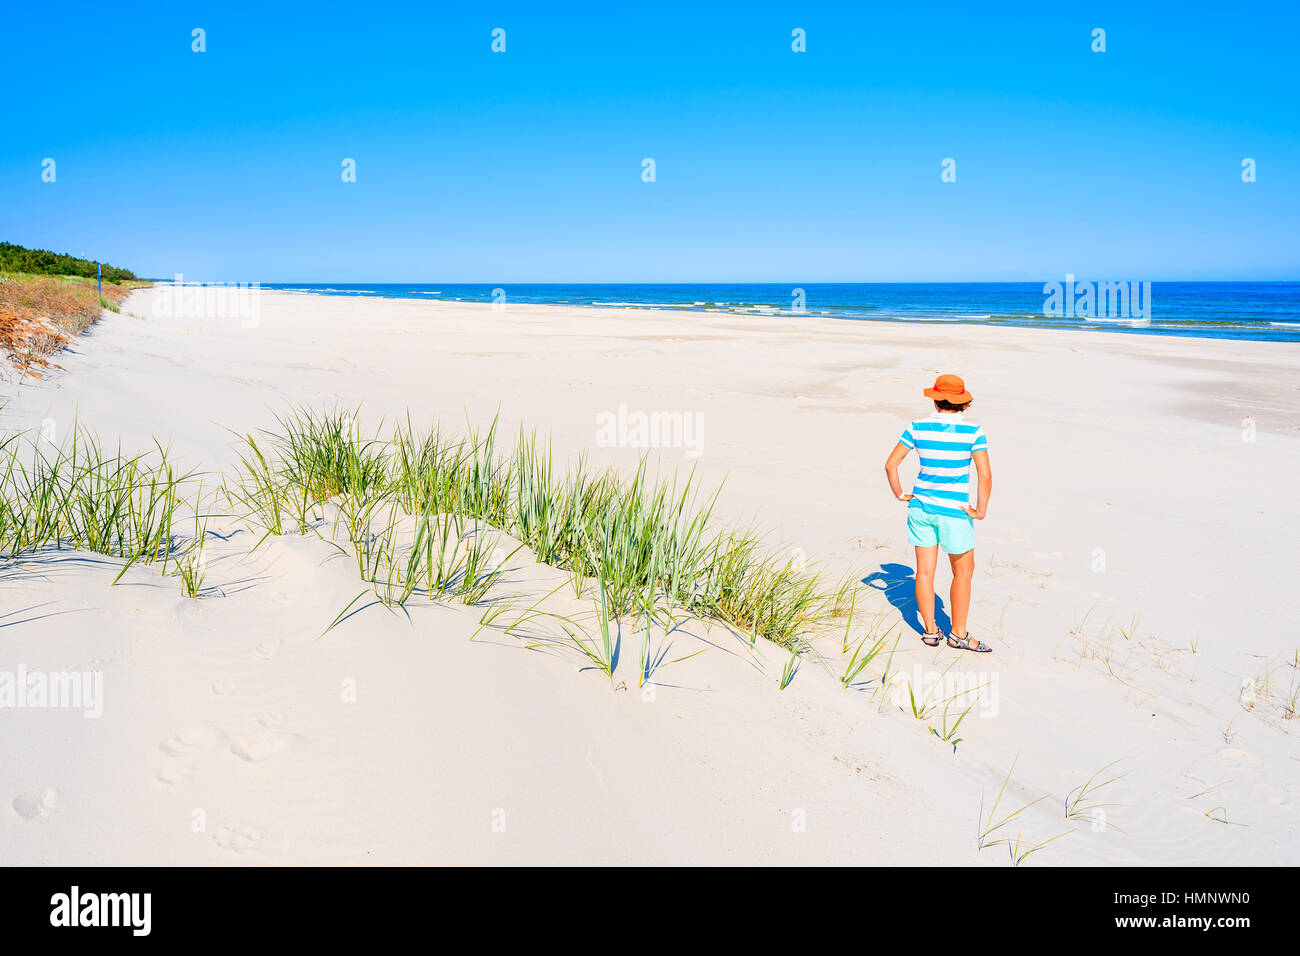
(939, 514)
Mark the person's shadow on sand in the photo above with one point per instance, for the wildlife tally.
(898, 581)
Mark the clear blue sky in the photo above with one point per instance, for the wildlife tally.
(771, 165)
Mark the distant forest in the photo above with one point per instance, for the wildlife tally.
(15, 258)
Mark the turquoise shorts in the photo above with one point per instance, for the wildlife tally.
(956, 535)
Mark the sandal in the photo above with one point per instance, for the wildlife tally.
(926, 635)
(964, 644)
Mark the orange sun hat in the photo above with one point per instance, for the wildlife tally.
(949, 388)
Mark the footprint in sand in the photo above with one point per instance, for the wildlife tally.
(222, 688)
(237, 837)
(191, 741)
(266, 649)
(258, 746)
(36, 804)
(175, 774)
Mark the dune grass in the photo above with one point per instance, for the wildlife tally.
(39, 314)
(1080, 803)
(948, 733)
(1018, 849)
(634, 544)
(80, 495)
(862, 656)
(427, 513)
(790, 670)
(260, 491)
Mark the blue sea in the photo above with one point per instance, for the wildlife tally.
(1266, 311)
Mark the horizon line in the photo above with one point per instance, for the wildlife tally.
(1076, 276)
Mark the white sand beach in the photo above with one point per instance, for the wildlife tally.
(1135, 576)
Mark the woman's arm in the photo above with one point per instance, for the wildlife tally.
(891, 470)
(985, 475)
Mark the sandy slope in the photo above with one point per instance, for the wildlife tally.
(1123, 489)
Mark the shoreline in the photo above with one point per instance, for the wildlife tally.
(1177, 327)
(805, 319)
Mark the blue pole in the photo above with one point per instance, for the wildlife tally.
(99, 277)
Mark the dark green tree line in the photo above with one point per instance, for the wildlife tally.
(15, 258)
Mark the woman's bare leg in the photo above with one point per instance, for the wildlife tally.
(926, 560)
(963, 569)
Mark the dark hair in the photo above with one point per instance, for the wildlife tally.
(943, 406)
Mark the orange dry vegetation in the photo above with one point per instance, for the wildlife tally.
(40, 314)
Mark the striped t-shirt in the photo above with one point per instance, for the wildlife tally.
(945, 444)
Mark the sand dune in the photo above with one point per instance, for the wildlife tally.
(1133, 576)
